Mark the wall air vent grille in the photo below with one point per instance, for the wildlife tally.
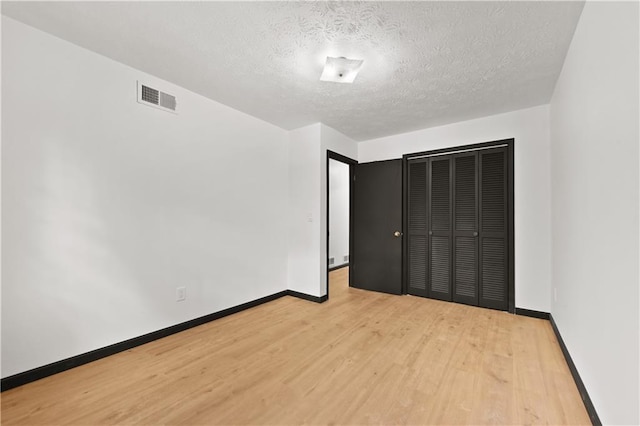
(155, 98)
(150, 95)
(167, 101)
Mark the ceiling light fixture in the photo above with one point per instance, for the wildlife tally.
(341, 70)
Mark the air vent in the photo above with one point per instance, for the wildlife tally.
(332, 260)
(345, 258)
(155, 98)
(167, 101)
(150, 95)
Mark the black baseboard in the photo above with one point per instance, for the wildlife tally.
(591, 410)
(335, 268)
(309, 297)
(85, 358)
(532, 314)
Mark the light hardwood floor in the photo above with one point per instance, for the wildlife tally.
(360, 358)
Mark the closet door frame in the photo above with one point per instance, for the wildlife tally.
(509, 144)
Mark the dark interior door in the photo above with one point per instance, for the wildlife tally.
(376, 260)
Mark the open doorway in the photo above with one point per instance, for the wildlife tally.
(338, 215)
(339, 195)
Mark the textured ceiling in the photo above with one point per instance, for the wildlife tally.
(425, 63)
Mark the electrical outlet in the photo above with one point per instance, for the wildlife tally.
(181, 294)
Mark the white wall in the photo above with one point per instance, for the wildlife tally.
(308, 204)
(530, 128)
(338, 212)
(594, 151)
(305, 264)
(331, 140)
(109, 205)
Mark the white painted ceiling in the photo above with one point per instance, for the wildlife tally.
(425, 63)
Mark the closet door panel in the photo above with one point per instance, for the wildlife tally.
(439, 220)
(465, 230)
(466, 269)
(493, 229)
(494, 280)
(440, 262)
(417, 265)
(417, 228)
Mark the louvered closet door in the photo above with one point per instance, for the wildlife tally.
(493, 229)
(439, 220)
(465, 229)
(417, 228)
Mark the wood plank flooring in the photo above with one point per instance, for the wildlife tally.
(360, 358)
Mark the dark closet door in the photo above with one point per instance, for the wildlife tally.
(440, 228)
(493, 229)
(429, 228)
(465, 229)
(458, 225)
(376, 260)
(417, 228)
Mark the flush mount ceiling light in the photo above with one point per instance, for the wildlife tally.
(341, 70)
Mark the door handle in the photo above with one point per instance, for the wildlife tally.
(475, 234)
(397, 234)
